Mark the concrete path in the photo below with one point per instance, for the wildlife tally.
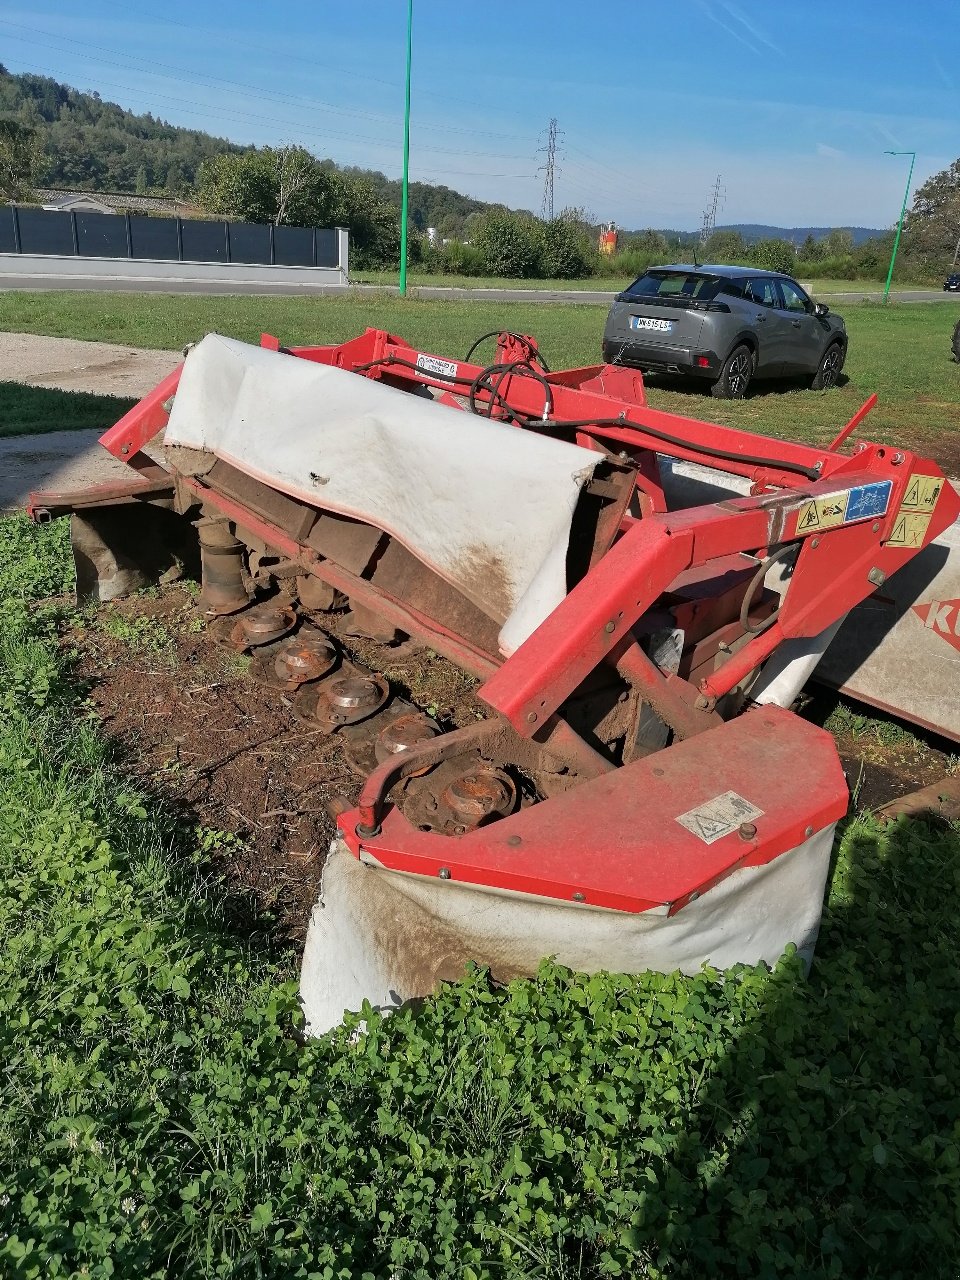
(55, 460)
(72, 365)
(69, 459)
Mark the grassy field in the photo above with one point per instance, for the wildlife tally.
(601, 284)
(30, 410)
(901, 352)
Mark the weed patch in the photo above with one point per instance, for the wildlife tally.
(161, 1115)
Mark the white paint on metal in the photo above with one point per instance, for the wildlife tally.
(387, 937)
(487, 506)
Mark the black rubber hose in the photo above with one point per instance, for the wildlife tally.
(527, 342)
(811, 473)
(755, 582)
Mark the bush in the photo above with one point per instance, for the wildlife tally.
(458, 259)
(774, 255)
(565, 253)
(509, 243)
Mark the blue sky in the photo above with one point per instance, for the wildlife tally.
(793, 104)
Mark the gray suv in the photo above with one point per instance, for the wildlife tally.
(726, 325)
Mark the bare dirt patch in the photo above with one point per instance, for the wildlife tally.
(194, 724)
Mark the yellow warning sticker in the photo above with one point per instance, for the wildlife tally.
(922, 493)
(822, 513)
(909, 528)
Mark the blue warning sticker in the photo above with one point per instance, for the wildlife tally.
(864, 502)
(867, 501)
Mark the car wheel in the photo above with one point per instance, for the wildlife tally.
(735, 375)
(956, 342)
(829, 369)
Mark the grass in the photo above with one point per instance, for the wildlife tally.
(28, 410)
(161, 1116)
(900, 351)
(426, 279)
(594, 284)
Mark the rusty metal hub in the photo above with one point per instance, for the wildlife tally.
(403, 733)
(262, 625)
(304, 658)
(356, 696)
(286, 664)
(396, 728)
(476, 795)
(459, 796)
(346, 698)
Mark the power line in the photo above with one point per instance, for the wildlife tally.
(230, 113)
(714, 200)
(549, 170)
(133, 62)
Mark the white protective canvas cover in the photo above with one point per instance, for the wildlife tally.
(486, 505)
(388, 936)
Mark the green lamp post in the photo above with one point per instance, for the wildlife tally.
(406, 156)
(903, 211)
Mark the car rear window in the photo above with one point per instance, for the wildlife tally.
(674, 285)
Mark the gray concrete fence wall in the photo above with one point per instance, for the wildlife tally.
(43, 266)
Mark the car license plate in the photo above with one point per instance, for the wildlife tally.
(644, 322)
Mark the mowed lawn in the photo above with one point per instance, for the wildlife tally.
(26, 410)
(901, 351)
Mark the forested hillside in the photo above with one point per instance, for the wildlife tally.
(91, 145)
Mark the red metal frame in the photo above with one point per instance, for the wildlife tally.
(794, 775)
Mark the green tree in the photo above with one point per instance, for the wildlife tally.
(509, 243)
(283, 185)
(565, 251)
(374, 226)
(725, 245)
(653, 243)
(19, 157)
(774, 255)
(838, 242)
(238, 187)
(811, 250)
(932, 229)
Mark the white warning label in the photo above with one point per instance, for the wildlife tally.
(716, 818)
(440, 368)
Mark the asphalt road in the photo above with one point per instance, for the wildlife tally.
(92, 284)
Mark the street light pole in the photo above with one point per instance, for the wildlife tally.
(406, 156)
(903, 211)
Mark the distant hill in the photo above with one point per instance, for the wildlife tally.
(92, 145)
(753, 231)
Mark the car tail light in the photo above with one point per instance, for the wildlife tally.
(709, 306)
(703, 362)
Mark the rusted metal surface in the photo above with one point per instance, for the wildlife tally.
(939, 800)
(344, 698)
(262, 625)
(397, 727)
(460, 795)
(222, 586)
